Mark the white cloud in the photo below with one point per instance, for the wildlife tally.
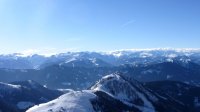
(46, 51)
(128, 23)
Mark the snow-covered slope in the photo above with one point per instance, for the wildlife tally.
(121, 89)
(113, 87)
(74, 101)
(119, 93)
(113, 93)
(88, 63)
(9, 87)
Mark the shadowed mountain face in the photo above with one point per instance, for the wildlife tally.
(19, 96)
(119, 93)
(80, 77)
(188, 73)
(182, 93)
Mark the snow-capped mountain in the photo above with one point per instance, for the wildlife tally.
(115, 58)
(22, 95)
(79, 70)
(88, 63)
(122, 94)
(176, 71)
(18, 61)
(128, 92)
(80, 77)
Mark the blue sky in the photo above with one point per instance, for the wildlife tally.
(98, 25)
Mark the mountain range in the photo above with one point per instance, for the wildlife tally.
(116, 93)
(79, 70)
(114, 58)
(149, 80)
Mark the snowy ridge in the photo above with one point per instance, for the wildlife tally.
(119, 93)
(122, 90)
(75, 101)
(4, 86)
(28, 84)
(113, 85)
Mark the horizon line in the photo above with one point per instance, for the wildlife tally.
(25, 54)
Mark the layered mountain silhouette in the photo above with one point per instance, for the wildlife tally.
(154, 80)
(19, 96)
(118, 93)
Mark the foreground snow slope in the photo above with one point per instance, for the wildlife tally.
(75, 101)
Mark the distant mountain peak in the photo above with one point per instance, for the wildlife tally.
(113, 52)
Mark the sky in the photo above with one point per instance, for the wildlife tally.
(97, 25)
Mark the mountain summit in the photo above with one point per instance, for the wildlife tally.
(118, 93)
